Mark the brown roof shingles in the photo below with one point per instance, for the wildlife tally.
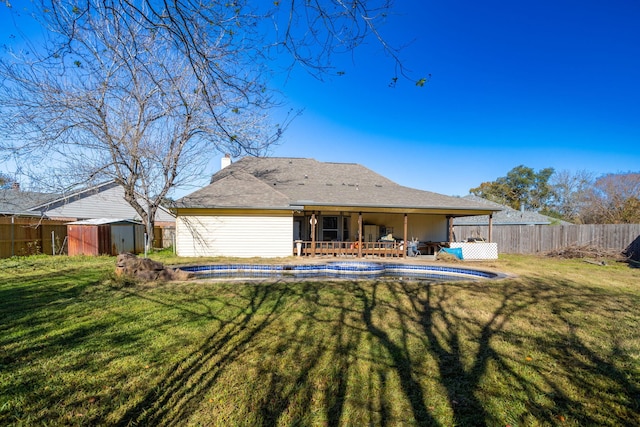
(254, 182)
(237, 190)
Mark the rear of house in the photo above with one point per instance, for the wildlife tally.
(260, 207)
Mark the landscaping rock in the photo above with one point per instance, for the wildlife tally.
(146, 269)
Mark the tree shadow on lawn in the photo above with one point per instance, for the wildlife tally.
(422, 312)
(180, 393)
(580, 367)
(257, 308)
(33, 308)
(41, 316)
(363, 351)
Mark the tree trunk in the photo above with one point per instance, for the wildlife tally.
(149, 226)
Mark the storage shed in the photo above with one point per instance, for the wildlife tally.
(105, 236)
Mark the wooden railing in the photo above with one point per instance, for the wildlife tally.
(383, 249)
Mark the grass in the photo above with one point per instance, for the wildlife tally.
(556, 345)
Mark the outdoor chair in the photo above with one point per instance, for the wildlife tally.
(412, 249)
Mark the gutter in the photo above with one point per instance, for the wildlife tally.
(378, 206)
(253, 208)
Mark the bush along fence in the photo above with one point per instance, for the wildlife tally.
(535, 239)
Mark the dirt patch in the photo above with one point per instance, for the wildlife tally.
(146, 269)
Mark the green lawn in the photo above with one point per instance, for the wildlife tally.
(557, 345)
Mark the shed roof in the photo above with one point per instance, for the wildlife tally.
(289, 183)
(104, 221)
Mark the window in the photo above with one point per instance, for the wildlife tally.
(345, 228)
(297, 229)
(329, 228)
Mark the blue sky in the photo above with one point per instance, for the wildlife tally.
(540, 83)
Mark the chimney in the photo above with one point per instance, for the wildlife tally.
(225, 161)
(15, 186)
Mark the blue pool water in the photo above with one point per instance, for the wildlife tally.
(339, 270)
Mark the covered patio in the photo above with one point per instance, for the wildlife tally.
(372, 240)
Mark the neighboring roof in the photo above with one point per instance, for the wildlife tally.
(17, 202)
(91, 202)
(58, 200)
(506, 216)
(295, 183)
(95, 202)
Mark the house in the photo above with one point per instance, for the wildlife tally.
(28, 218)
(105, 201)
(16, 202)
(24, 231)
(262, 207)
(98, 201)
(473, 227)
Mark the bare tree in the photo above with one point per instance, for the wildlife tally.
(6, 181)
(614, 199)
(143, 92)
(571, 191)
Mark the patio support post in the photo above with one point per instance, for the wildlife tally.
(490, 227)
(450, 226)
(359, 234)
(313, 234)
(405, 247)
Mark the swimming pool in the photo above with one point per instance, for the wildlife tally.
(339, 270)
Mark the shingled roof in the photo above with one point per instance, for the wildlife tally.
(506, 216)
(17, 202)
(295, 183)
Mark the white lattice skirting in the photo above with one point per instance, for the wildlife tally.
(473, 251)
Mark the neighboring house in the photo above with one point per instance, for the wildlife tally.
(14, 202)
(24, 231)
(22, 213)
(104, 200)
(471, 227)
(258, 207)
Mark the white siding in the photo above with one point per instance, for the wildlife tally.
(109, 203)
(426, 228)
(235, 236)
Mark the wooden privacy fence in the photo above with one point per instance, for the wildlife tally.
(532, 239)
(21, 236)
